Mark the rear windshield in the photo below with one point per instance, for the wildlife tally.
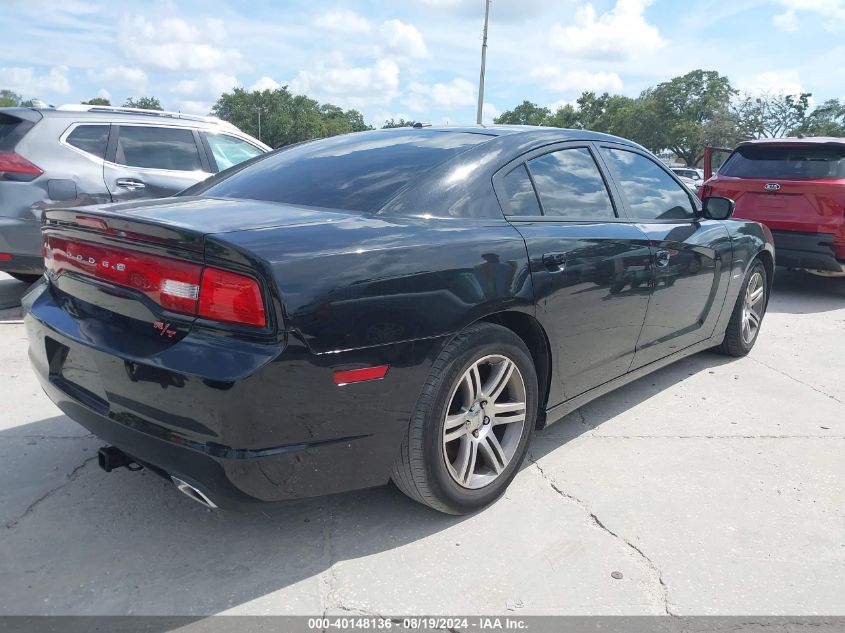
(356, 172)
(786, 162)
(12, 130)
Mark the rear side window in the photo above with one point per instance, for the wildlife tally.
(355, 172)
(12, 129)
(91, 139)
(522, 200)
(785, 162)
(570, 185)
(652, 194)
(157, 148)
(229, 151)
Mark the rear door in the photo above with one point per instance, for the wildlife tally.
(692, 255)
(151, 161)
(590, 268)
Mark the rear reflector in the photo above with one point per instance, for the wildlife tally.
(232, 298)
(5, 257)
(16, 167)
(360, 375)
(173, 284)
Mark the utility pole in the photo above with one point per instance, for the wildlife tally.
(483, 62)
(259, 122)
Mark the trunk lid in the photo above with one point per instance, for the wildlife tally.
(145, 266)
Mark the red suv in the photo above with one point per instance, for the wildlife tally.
(796, 187)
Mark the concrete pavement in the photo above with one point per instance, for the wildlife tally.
(714, 486)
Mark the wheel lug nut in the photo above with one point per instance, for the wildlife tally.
(475, 433)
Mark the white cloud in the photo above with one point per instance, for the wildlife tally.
(174, 44)
(122, 75)
(577, 80)
(28, 83)
(350, 86)
(265, 83)
(210, 85)
(489, 112)
(832, 13)
(193, 107)
(457, 93)
(343, 22)
(784, 82)
(787, 21)
(104, 94)
(620, 34)
(403, 40)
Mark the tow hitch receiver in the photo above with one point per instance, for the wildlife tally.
(111, 457)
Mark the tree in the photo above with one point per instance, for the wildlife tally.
(826, 120)
(285, 118)
(392, 123)
(9, 99)
(771, 115)
(526, 113)
(685, 106)
(101, 101)
(144, 103)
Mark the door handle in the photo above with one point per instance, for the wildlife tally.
(130, 183)
(661, 258)
(555, 262)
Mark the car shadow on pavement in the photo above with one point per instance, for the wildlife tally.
(107, 543)
(11, 291)
(797, 292)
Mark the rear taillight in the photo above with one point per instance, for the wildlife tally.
(175, 285)
(232, 298)
(16, 167)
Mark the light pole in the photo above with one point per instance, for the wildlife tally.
(258, 109)
(483, 62)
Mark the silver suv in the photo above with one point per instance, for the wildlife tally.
(78, 154)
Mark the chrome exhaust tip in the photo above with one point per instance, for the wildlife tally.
(197, 495)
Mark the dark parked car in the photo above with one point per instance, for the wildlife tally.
(399, 304)
(81, 154)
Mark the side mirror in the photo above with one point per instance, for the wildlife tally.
(718, 208)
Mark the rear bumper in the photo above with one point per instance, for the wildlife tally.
(283, 432)
(806, 250)
(21, 238)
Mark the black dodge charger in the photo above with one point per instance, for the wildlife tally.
(399, 304)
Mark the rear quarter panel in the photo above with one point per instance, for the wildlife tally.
(369, 281)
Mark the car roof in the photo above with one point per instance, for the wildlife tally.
(526, 132)
(119, 114)
(796, 140)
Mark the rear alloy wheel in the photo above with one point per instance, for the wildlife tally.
(484, 421)
(474, 419)
(747, 316)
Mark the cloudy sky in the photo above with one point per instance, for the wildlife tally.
(416, 59)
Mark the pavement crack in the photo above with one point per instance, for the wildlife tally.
(31, 507)
(327, 578)
(798, 380)
(664, 589)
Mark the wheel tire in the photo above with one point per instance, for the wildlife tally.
(735, 343)
(27, 279)
(420, 471)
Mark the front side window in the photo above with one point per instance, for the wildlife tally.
(652, 194)
(91, 139)
(520, 192)
(229, 151)
(157, 148)
(570, 185)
